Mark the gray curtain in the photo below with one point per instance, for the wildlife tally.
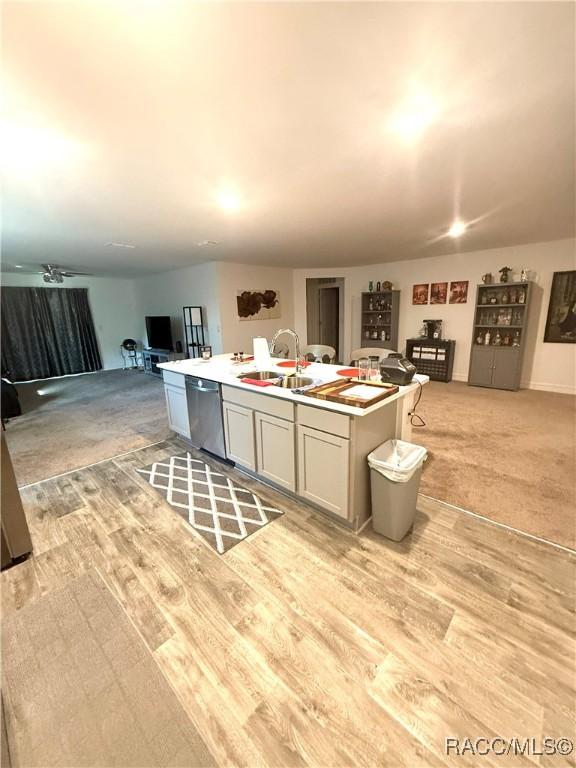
(47, 332)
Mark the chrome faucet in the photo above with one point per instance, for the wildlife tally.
(296, 343)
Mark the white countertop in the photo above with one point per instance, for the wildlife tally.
(222, 370)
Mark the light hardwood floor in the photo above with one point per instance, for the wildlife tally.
(309, 645)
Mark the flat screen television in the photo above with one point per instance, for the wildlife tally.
(159, 333)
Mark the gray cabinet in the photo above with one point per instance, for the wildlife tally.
(481, 364)
(497, 367)
(499, 335)
(380, 311)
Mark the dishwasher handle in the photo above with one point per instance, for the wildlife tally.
(191, 384)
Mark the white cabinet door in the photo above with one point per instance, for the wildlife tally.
(323, 469)
(239, 435)
(177, 408)
(275, 450)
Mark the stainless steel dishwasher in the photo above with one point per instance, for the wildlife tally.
(205, 415)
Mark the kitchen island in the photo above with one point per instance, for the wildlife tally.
(312, 449)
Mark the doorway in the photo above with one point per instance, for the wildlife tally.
(325, 312)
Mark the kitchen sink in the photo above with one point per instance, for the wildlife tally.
(294, 382)
(259, 375)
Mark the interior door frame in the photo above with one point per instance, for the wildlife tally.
(321, 294)
(313, 287)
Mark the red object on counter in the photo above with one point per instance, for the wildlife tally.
(257, 382)
(292, 364)
(353, 372)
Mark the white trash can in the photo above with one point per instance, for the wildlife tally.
(395, 469)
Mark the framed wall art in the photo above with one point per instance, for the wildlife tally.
(438, 293)
(420, 293)
(258, 305)
(561, 318)
(459, 292)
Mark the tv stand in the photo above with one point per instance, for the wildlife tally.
(152, 357)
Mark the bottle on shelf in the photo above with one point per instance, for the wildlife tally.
(513, 295)
(497, 339)
(370, 305)
(521, 296)
(487, 337)
(480, 338)
(506, 340)
(516, 339)
(504, 297)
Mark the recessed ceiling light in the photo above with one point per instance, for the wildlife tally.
(229, 200)
(458, 228)
(18, 266)
(414, 117)
(119, 245)
(205, 243)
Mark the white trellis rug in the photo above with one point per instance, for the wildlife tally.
(222, 512)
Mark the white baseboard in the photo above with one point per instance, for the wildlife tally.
(563, 389)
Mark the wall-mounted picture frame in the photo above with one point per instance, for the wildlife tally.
(459, 292)
(438, 293)
(420, 293)
(258, 305)
(561, 318)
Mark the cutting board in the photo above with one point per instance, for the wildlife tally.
(353, 392)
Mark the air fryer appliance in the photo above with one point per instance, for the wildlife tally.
(397, 369)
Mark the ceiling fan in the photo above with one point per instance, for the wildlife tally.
(52, 273)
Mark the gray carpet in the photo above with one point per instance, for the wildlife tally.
(84, 689)
(74, 421)
(509, 456)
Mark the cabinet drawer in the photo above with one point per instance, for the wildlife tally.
(282, 409)
(327, 421)
(175, 379)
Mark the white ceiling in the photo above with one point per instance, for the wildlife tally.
(125, 119)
